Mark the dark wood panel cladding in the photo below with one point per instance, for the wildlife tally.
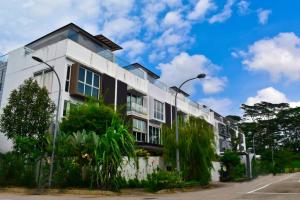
(173, 113)
(122, 97)
(74, 79)
(108, 89)
(168, 114)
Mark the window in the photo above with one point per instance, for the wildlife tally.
(139, 130)
(2, 73)
(44, 78)
(158, 110)
(67, 86)
(88, 83)
(67, 107)
(154, 135)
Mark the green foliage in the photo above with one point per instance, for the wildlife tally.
(273, 126)
(91, 116)
(115, 143)
(87, 157)
(164, 180)
(27, 116)
(15, 170)
(231, 167)
(196, 146)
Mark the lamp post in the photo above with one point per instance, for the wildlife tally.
(176, 119)
(56, 119)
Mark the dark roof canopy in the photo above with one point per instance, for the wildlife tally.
(100, 39)
(110, 44)
(176, 89)
(138, 65)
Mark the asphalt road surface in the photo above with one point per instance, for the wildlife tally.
(281, 187)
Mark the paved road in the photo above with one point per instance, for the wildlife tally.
(282, 187)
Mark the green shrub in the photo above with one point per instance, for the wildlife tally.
(163, 180)
(15, 170)
(231, 167)
(92, 116)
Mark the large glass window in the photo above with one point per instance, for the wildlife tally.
(139, 130)
(158, 110)
(154, 135)
(67, 86)
(88, 83)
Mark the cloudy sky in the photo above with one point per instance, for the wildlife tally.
(249, 49)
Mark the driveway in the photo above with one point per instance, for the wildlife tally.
(281, 187)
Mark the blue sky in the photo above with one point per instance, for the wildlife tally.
(250, 49)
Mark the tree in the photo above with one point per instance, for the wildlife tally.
(196, 147)
(261, 124)
(91, 116)
(27, 116)
(289, 125)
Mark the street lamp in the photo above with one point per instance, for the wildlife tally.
(199, 76)
(57, 114)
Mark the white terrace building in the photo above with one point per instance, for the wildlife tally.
(87, 66)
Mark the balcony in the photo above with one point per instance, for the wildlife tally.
(3, 60)
(136, 109)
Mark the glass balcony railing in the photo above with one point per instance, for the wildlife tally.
(131, 106)
(3, 59)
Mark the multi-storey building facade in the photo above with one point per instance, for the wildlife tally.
(87, 66)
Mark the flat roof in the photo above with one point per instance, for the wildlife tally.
(112, 46)
(138, 65)
(176, 89)
(100, 39)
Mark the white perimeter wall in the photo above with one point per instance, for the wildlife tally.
(215, 176)
(146, 166)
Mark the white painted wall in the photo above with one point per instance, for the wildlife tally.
(215, 176)
(21, 66)
(145, 166)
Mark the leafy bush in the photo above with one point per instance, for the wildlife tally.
(15, 170)
(163, 180)
(91, 116)
(86, 158)
(196, 147)
(231, 167)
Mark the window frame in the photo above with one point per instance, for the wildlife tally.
(68, 78)
(93, 87)
(158, 110)
(140, 133)
(154, 131)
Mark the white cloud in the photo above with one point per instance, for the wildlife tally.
(243, 7)
(263, 16)
(221, 106)
(224, 15)
(32, 19)
(279, 56)
(185, 66)
(271, 95)
(201, 9)
(268, 94)
(134, 48)
(174, 19)
(168, 38)
(214, 84)
(120, 28)
(112, 9)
